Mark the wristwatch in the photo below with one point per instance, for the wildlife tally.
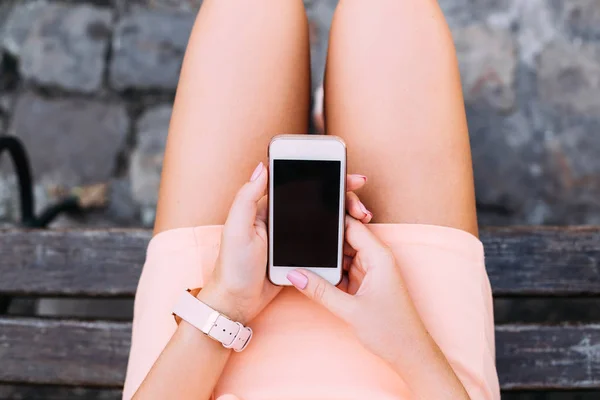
(232, 335)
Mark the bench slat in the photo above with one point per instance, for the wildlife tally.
(548, 357)
(20, 392)
(72, 263)
(543, 260)
(520, 261)
(65, 352)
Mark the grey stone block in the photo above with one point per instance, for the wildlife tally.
(569, 77)
(540, 164)
(122, 209)
(464, 12)
(70, 141)
(61, 45)
(5, 9)
(6, 103)
(509, 165)
(147, 158)
(184, 5)
(581, 18)
(531, 74)
(488, 61)
(19, 23)
(148, 49)
(9, 206)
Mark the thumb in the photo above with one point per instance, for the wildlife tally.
(359, 237)
(321, 291)
(243, 210)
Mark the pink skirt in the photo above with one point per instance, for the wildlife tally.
(300, 350)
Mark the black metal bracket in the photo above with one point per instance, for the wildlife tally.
(18, 154)
(26, 200)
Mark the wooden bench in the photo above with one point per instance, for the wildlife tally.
(65, 358)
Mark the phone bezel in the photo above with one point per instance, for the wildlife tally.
(308, 147)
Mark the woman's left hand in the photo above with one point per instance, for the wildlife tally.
(239, 288)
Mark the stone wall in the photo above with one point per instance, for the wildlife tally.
(88, 86)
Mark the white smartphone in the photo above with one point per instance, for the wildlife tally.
(307, 192)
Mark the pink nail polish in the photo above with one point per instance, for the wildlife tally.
(299, 280)
(257, 172)
(364, 209)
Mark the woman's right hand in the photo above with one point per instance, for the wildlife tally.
(374, 301)
(371, 295)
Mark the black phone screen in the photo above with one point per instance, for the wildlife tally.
(306, 212)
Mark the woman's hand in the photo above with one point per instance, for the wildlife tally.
(375, 303)
(371, 293)
(239, 288)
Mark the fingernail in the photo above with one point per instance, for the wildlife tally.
(299, 280)
(364, 178)
(257, 172)
(364, 209)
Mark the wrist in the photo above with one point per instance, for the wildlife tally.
(224, 303)
(193, 337)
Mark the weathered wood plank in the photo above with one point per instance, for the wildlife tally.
(95, 354)
(86, 263)
(547, 310)
(551, 395)
(23, 392)
(548, 357)
(543, 260)
(520, 261)
(63, 352)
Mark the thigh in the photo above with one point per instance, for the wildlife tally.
(245, 78)
(393, 93)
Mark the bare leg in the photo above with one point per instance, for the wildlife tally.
(393, 93)
(245, 78)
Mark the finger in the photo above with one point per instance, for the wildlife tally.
(243, 210)
(347, 262)
(321, 292)
(359, 237)
(262, 209)
(355, 182)
(357, 209)
(348, 250)
(343, 286)
(355, 279)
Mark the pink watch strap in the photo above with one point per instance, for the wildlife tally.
(230, 334)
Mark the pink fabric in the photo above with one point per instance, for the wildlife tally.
(301, 351)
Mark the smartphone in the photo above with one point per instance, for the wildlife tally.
(307, 192)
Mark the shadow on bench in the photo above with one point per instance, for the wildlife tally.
(37, 353)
